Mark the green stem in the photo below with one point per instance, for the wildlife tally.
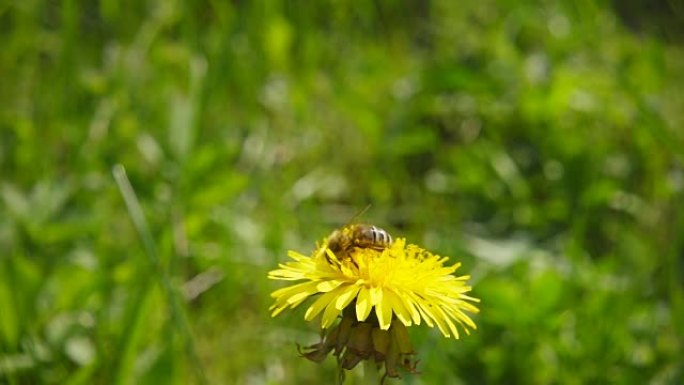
(341, 373)
(371, 374)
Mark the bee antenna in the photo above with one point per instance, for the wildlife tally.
(361, 212)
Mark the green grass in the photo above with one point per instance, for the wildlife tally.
(540, 143)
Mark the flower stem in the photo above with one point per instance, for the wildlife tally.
(340, 373)
(371, 374)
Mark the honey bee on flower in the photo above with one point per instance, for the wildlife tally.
(376, 287)
(342, 242)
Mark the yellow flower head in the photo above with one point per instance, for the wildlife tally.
(402, 281)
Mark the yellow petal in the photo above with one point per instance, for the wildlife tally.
(308, 287)
(408, 302)
(429, 308)
(296, 256)
(418, 301)
(299, 297)
(398, 306)
(286, 274)
(329, 315)
(319, 305)
(277, 310)
(297, 303)
(461, 317)
(375, 295)
(363, 304)
(384, 313)
(326, 286)
(447, 319)
(346, 296)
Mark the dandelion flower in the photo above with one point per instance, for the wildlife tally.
(376, 294)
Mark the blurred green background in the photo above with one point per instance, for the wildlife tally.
(541, 143)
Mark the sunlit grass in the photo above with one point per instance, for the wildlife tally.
(538, 143)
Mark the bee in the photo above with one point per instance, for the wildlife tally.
(344, 240)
